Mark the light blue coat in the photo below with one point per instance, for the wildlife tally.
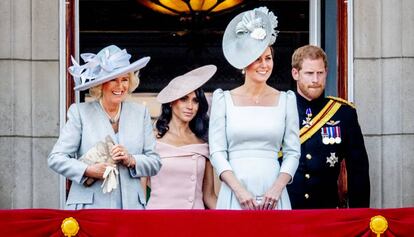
(88, 124)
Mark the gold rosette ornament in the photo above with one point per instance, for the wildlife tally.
(378, 225)
(70, 227)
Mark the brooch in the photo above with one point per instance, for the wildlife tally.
(333, 123)
(332, 160)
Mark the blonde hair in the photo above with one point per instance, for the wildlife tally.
(308, 52)
(96, 91)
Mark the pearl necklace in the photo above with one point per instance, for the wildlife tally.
(115, 119)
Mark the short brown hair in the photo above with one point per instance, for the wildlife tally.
(308, 52)
(96, 91)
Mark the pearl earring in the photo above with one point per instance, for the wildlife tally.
(243, 71)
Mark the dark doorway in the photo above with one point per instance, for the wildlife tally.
(176, 47)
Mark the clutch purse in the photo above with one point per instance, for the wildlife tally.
(100, 153)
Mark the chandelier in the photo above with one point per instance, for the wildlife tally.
(190, 9)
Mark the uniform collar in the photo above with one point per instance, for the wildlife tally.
(314, 104)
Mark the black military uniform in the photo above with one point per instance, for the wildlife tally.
(315, 184)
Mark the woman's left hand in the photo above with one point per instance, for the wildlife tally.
(270, 198)
(120, 155)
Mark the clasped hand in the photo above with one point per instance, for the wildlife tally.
(120, 155)
(249, 202)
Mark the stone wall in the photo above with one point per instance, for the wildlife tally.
(29, 102)
(384, 94)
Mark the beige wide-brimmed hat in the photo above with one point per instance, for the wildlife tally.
(248, 35)
(185, 84)
(108, 64)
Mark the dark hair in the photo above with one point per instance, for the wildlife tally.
(272, 51)
(198, 125)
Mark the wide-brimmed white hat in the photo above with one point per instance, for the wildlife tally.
(108, 64)
(185, 84)
(248, 35)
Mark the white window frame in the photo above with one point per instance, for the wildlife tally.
(315, 22)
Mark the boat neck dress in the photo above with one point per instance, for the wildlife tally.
(178, 184)
(246, 140)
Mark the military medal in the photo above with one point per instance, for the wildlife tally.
(338, 135)
(331, 135)
(307, 122)
(325, 138)
(332, 160)
(308, 112)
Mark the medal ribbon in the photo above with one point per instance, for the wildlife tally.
(319, 120)
(331, 132)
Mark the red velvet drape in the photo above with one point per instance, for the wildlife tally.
(308, 223)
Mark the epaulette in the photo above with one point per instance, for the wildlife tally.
(342, 101)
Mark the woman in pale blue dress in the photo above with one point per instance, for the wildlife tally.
(251, 123)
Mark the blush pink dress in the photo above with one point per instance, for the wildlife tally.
(178, 185)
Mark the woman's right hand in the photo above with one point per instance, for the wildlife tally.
(96, 171)
(246, 200)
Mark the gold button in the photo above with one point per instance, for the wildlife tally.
(306, 195)
(307, 176)
(308, 156)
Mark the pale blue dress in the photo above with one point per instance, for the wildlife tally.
(246, 140)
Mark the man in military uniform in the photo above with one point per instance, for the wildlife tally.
(329, 134)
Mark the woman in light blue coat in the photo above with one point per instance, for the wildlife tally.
(110, 77)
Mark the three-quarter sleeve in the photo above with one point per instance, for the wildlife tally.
(62, 158)
(148, 163)
(291, 143)
(217, 133)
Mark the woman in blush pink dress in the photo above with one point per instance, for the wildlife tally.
(186, 179)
